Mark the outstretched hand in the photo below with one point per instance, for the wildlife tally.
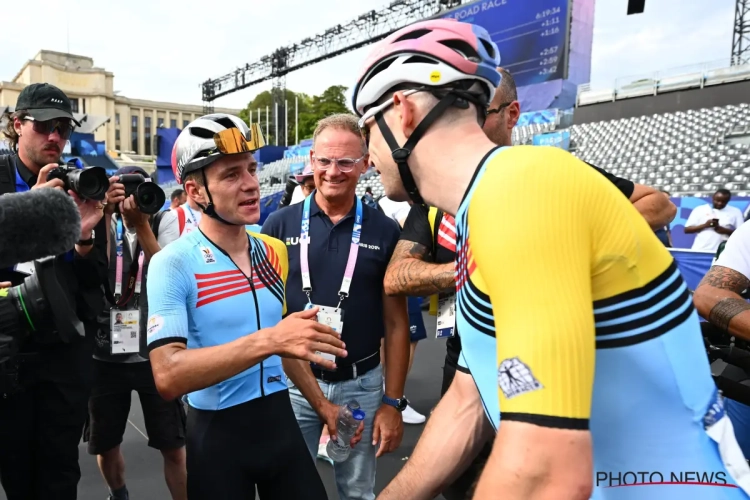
(300, 336)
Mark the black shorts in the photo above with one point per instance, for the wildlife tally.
(257, 444)
(463, 487)
(109, 406)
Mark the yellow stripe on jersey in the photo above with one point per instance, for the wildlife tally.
(280, 249)
(550, 236)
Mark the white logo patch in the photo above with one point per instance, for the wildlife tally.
(155, 324)
(208, 255)
(514, 378)
(55, 100)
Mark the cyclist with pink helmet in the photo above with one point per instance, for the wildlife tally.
(603, 375)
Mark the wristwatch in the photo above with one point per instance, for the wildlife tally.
(87, 242)
(399, 404)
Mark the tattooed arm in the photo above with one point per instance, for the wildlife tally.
(409, 274)
(717, 299)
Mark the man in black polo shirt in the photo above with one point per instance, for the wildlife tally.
(422, 263)
(339, 270)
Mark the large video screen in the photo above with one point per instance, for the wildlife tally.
(532, 35)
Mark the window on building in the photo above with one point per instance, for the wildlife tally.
(147, 134)
(74, 105)
(117, 119)
(173, 123)
(117, 138)
(134, 133)
(185, 123)
(159, 122)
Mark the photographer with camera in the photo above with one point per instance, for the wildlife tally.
(121, 363)
(52, 314)
(720, 299)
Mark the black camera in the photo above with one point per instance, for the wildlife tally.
(149, 196)
(42, 306)
(89, 183)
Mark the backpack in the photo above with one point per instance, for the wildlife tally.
(156, 221)
(435, 215)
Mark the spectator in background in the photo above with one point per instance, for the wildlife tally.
(718, 299)
(665, 234)
(179, 197)
(713, 222)
(368, 199)
(306, 186)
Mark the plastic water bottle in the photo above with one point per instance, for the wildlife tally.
(350, 416)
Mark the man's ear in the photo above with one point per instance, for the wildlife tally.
(406, 111)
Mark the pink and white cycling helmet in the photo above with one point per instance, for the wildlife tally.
(431, 53)
(456, 62)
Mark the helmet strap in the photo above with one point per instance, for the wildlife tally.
(210, 209)
(401, 154)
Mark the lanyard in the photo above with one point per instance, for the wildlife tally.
(304, 242)
(118, 268)
(192, 215)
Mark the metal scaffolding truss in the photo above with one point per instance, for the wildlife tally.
(365, 29)
(741, 37)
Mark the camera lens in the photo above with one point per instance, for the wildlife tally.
(150, 198)
(23, 308)
(91, 183)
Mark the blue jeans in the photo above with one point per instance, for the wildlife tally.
(355, 477)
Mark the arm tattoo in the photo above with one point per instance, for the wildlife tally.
(409, 274)
(726, 309)
(725, 279)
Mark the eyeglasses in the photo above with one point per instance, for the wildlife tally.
(231, 141)
(63, 127)
(346, 165)
(499, 108)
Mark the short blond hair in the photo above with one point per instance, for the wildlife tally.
(340, 121)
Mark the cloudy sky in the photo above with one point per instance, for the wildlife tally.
(163, 49)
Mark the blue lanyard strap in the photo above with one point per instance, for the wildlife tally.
(305, 244)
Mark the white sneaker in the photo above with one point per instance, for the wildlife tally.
(411, 416)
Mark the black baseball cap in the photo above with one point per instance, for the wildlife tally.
(45, 102)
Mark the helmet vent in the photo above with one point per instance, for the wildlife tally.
(413, 34)
(202, 132)
(420, 59)
(488, 47)
(463, 48)
(226, 122)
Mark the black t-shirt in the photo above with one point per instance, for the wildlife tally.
(417, 229)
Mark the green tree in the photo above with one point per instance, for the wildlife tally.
(310, 110)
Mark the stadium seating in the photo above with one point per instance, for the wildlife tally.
(686, 153)
(689, 153)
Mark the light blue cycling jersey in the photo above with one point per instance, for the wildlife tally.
(574, 316)
(197, 296)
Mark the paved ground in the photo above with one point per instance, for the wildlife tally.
(144, 474)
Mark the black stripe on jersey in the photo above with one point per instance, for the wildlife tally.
(266, 273)
(576, 424)
(476, 172)
(649, 334)
(646, 319)
(637, 292)
(471, 309)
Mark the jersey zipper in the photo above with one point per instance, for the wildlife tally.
(257, 318)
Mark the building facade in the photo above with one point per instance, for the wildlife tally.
(125, 125)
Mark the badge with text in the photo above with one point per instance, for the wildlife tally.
(330, 316)
(125, 336)
(446, 315)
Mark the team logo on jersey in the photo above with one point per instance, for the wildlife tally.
(514, 378)
(293, 241)
(155, 324)
(208, 255)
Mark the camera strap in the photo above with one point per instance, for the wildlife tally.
(135, 274)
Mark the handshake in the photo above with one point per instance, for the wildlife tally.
(301, 336)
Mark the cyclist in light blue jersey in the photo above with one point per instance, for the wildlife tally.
(215, 330)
